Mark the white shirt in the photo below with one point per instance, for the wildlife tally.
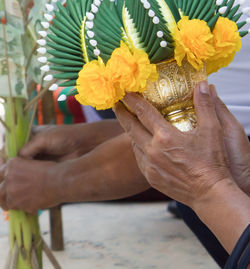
(233, 82)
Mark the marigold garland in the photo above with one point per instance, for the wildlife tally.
(101, 86)
(194, 40)
(227, 42)
(131, 70)
(95, 87)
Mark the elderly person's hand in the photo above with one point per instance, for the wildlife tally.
(64, 142)
(184, 166)
(236, 142)
(30, 185)
(194, 167)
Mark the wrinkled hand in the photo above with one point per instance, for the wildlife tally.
(65, 142)
(184, 166)
(21, 190)
(236, 142)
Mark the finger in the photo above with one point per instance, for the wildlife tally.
(36, 129)
(3, 203)
(36, 146)
(140, 157)
(2, 172)
(204, 106)
(132, 126)
(226, 118)
(148, 115)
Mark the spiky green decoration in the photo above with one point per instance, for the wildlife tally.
(210, 10)
(82, 30)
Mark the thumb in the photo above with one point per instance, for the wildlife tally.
(204, 106)
(35, 146)
(226, 118)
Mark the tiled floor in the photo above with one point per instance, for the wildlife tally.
(122, 236)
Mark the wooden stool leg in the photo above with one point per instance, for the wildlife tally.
(56, 229)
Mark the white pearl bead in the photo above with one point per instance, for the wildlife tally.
(45, 24)
(90, 34)
(45, 68)
(160, 34)
(93, 42)
(41, 42)
(42, 33)
(42, 50)
(97, 2)
(48, 17)
(147, 5)
(89, 24)
(49, 7)
(163, 44)
(53, 87)
(97, 52)
(219, 2)
(151, 13)
(48, 78)
(90, 16)
(222, 10)
(94, 8)
(156, 20)
(62, 98)
(42, 60)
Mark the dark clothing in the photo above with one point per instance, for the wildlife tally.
(205, 236)
(240, 257)
(106, 114)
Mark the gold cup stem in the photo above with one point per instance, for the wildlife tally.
(172, 93)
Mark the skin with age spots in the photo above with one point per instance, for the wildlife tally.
(194, 167)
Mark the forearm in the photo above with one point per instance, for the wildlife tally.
(226, 212)
(96, 133)
(108, 172)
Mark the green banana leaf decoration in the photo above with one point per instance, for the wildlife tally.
(81, 31)
(206, 10)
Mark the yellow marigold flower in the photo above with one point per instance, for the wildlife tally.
(194, 40)
(227, 42)
(95, 87)
(131, 70)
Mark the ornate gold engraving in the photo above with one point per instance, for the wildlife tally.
(172, 94)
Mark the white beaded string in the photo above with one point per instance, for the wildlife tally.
(90, 25)
(155, 20)
(42, 42)
(244, 10)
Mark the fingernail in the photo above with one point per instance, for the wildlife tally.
(204, 87)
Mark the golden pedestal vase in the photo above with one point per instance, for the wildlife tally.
(172, 93)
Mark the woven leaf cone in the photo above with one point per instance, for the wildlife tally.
(83, 30)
